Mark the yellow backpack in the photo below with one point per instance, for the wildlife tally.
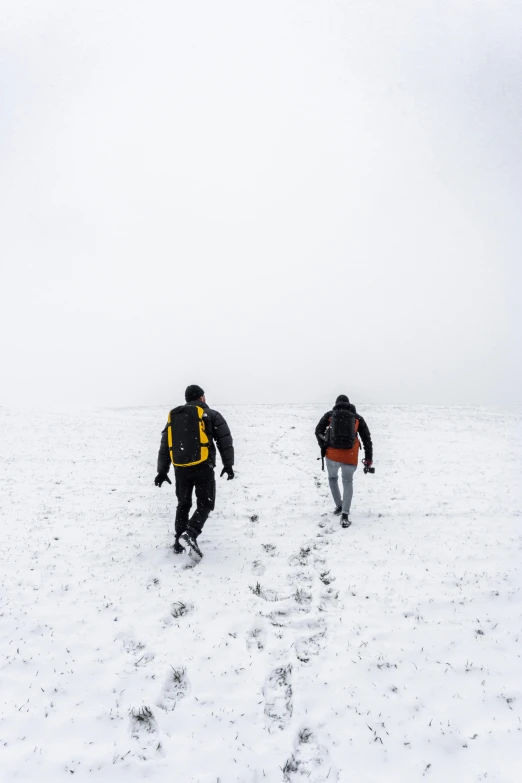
(188, 440)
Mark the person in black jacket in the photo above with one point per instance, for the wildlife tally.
(344, 459)
(199, 477)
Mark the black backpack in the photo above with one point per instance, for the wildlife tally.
(341, 433)
(188, 439)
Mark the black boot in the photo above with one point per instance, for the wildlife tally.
(338, 510)
(345, 521)
(189, 539)
(178, 549)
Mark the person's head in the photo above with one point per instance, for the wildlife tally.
(342, 398)
(193, 393)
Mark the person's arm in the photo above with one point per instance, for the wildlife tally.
(222, 436)
(366, 438)
(321, 428)
(163, 454)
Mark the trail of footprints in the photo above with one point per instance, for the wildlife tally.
(144, 728)
(295, 627)
(291, 629)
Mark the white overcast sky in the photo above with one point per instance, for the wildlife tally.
(280, 200)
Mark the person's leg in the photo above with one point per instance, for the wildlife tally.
(333, 479)
(347, 474)
(205, 484)
(184, 487)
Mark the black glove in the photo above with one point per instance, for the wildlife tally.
(368, 466)
(229, 470)
(160, 478)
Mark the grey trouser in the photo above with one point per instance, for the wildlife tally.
(347, 472)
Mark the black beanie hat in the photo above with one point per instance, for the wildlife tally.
(342, 398)
(193, 392)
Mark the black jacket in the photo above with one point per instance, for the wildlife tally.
(363, 431)
(216, 429)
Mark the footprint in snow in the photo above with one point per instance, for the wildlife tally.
(256, 639)
(309, 761)
(144, 659)
(323, 539)
(142, 722)
(175, 688)
(286, 613)
(277, 692)
(308, 647)
(294, 616)
(301, 577)
(130, 645)
(329, 599)
(181, 609)
(327, 529)
(302, 558)
(326, 577)
(303, 599)
(258, 567)
(267, 594)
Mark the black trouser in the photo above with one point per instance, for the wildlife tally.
(201, 478)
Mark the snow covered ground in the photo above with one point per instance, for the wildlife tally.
(295, 651)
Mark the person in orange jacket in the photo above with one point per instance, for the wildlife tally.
(339, 433)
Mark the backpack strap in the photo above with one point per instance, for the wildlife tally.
(169, 436)
(203, 437)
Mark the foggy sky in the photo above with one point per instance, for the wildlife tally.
(277, 200)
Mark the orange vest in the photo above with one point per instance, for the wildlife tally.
(345, 456)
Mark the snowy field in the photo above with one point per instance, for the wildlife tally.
(295, 651)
